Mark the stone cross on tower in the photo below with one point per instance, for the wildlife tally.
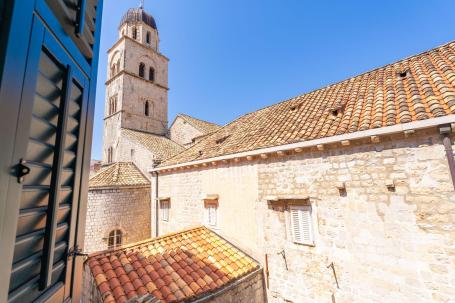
(141, 4)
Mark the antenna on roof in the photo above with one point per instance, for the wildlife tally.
(141, 4)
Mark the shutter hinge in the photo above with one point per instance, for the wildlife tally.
(76, 252)
(21, 170)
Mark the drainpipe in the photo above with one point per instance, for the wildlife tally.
(445, 131)
(155, 174)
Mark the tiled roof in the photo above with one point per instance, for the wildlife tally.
(204, 126)
(416, 88)
(178, 267)
(118, 174)
(160, 146)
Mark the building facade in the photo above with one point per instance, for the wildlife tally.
(345, 196)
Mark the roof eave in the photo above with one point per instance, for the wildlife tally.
(388, 130)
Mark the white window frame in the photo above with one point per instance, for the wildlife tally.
(212, 218)
(301, 224)
(165, 206)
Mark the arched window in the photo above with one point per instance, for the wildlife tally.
(151, 74)
(147, 108)
(134, 33)
(115, 239)
(142, 70)
(147, 37)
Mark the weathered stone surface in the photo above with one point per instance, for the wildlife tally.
(127, 209)
(386, 244)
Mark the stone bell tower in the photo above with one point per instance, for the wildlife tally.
(137, 85)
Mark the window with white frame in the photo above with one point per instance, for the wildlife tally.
(115, 239)
(302, 224)
(212, 214)
(165, 205)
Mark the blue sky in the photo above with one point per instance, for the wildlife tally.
(230, 57)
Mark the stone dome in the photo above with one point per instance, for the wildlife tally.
(136, 15)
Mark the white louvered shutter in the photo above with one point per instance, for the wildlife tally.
(301, 224)
(212, 215)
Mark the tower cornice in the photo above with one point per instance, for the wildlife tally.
(123, 38)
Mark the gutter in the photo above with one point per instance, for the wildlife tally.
(445, 131)
(388, 130)
(155, 174)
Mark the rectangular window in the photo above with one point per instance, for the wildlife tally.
(301, 224)
(165, 205)
(212, 214)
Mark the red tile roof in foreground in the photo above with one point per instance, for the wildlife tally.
(178, 267)
(416, 88)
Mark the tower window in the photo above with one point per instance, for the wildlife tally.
(147, 108)
(110, 154)
(134, 33)
(113, 105)
(142, 70)
(147, 37)
(115, 239)
(151, 74)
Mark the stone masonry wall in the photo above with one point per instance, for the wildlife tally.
(127, 209)
(386, 245)
(182, 132)
(187, 189)
(131, 151)
(249, 289)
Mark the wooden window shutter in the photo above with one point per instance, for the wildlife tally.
(301, 224)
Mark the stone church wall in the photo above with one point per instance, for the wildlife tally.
(372, 243)
(127, 209)
(182, 132)
(131, 151)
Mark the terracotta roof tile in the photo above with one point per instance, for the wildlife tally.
(416, 88)
(204, 126)
(118, 174)
(171, 273)
(160, 146)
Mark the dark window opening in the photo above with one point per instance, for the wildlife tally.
(110, 154)
(115, 239)
(151, 74)
(147, 38)
(403, 74)
(134, 33)
(141, 70)
(147, 108)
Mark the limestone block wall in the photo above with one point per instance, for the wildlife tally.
(386, 245)
(127, 209)
(131, 151)
(249, 289)
(237, 189)
(183, 132)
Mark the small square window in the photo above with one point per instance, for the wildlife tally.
(165, 205)
(302, 224)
